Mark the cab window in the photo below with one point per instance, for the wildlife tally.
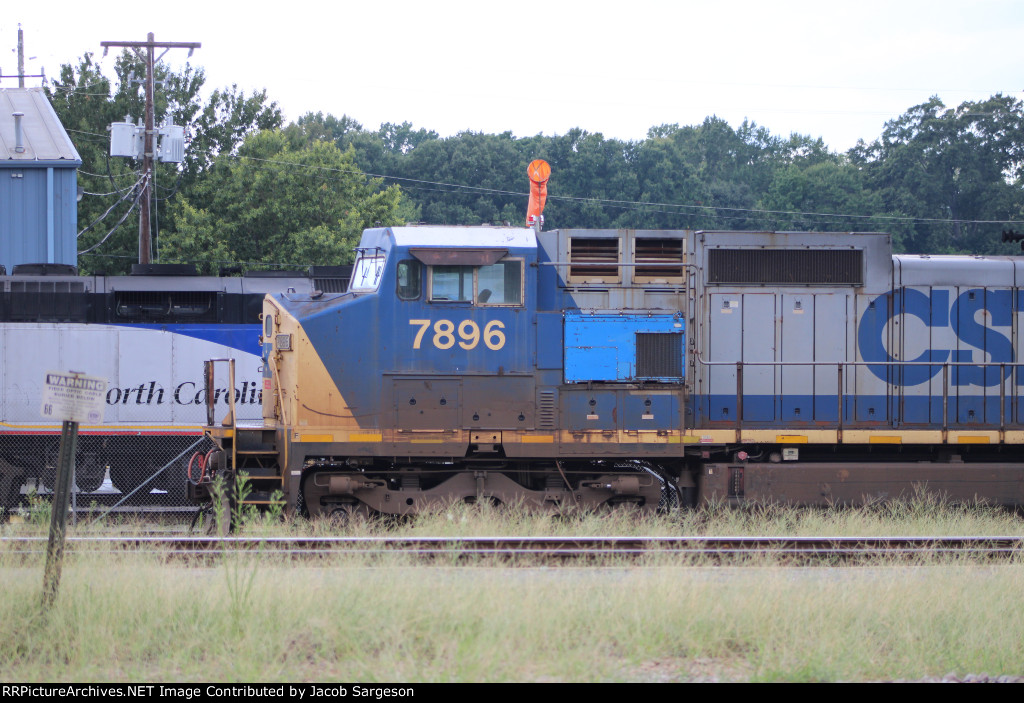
(409, 276)
(367, 271)
(500, 284)
(451, 283)
(497, 284)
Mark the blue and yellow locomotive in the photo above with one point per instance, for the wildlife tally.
(581, 369)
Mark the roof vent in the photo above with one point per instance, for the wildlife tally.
(164, 270)
(44, 270)
(275, 273)
(19, 147)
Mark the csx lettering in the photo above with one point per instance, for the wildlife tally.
(467, 334)
(936, 312)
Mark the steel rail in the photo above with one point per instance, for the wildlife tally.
(553, 548)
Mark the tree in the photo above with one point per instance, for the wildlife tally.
(956, 171)
(272, 204)
(826, 195)
(86, 101)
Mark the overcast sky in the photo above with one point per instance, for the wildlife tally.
(834, 70)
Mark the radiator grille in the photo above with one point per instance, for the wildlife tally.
(331, 285)
(196, 306)
(659, 355)
(331, 279)
(599, 259)
(826, 267)
(48, 301)
(658, 260)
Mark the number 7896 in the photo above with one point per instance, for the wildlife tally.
(469, 334)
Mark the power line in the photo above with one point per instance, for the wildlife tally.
(116, 203)
(94, 134)
(638, 203)
(114, 228)
(113, 192)
(104, 175)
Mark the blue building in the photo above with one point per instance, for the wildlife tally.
(38, 182)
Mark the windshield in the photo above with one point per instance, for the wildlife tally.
(367, 271)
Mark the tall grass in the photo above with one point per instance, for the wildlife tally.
(363, 617)
(129, 616)
(921, 515)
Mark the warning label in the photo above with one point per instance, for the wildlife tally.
(74, 397)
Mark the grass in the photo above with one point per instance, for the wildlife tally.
(122, 617)
(133, 616)
(924, 514)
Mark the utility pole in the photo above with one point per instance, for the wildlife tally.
(21, 58)
(148, 146)
(21, 62)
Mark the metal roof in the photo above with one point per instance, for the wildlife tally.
(43, 136)
(450, 236)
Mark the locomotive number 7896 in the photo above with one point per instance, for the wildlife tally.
(469, 334)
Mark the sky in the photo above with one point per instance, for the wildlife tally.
(837, 71)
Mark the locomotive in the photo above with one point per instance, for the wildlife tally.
(571, 369)
(148, 334)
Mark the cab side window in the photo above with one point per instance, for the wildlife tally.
(496, 284)
(500, 284)
(409, 279)
(451, 283)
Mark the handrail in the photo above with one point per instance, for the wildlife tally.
(208, 368)
(860, 363)
(1002, 365)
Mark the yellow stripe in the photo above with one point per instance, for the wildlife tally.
(111, 426)
(537, 439)
(355, 437)
(791, 439)
(885, 439)
(316, 438)
(426, 441)
(971, 439)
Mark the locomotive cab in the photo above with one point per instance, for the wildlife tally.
(439, 338)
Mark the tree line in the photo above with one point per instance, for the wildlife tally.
(256, 192)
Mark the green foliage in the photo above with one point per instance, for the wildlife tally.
(241, 513)
(282, 200)
(800, 198)
(39, 510)
(939, 180)
(87, 101)
(957, 169)
(221, 505)
(275, 510)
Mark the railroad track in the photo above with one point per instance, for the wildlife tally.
(556, 549)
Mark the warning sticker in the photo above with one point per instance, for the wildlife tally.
(74, 397)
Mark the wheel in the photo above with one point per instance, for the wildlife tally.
(340, 516)
(343, 516)
(89, 472)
